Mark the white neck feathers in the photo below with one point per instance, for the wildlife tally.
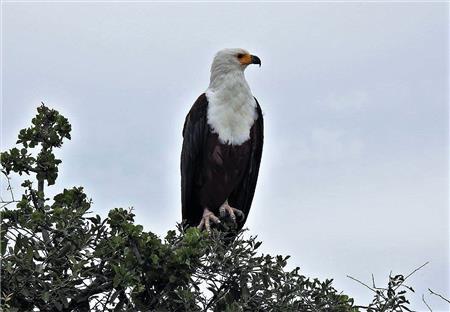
(231, 106)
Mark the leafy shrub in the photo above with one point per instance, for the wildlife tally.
(57, 256)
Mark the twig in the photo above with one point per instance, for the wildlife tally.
(414, 272)
(401, 284)
(439, 295)
(8, 202)
(216, 298)
(423, 299)
(374, 289)
(358, 281)
(27, 231)
(9, 188)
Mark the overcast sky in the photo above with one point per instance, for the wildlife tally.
(354, 175)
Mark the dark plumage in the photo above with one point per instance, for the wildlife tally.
(213, 172)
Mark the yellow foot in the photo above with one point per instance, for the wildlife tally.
(205, 223)
(226, 209)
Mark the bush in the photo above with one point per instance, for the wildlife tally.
(57, 256)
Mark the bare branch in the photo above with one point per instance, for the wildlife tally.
(439, 295)
(358, 281)
(8, 188)
(423, 299)
(414, 271)
(6, 203)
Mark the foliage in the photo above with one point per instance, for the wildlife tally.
(388, 299)
(57, 256)
(393, 298)
(48, 130)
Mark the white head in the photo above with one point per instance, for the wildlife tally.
(231, 61)
(231, 105)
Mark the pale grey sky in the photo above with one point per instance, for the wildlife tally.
(354, 175)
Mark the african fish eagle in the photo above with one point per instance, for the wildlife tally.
(222, 145)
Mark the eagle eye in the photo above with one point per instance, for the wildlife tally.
(240, 55)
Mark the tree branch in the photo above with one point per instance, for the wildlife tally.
(9, 188)
(96, 287)
(423, 299)
(439, 295)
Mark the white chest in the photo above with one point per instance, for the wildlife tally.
(231, 113)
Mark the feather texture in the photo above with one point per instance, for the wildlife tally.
(212, 171)
(231, 105)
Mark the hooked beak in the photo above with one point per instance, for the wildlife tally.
(256, 60)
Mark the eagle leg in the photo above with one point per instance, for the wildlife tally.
(208, 216)
(231, 211)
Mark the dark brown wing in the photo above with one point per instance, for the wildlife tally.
(242, 197)
(194, 134)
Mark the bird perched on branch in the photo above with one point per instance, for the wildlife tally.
(222, 145)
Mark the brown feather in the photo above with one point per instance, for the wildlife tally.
(212, 172)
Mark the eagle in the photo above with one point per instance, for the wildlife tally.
(223, 137)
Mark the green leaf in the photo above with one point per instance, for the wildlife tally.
(46, 296)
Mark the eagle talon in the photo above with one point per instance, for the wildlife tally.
(205, 223)
(226, 209)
